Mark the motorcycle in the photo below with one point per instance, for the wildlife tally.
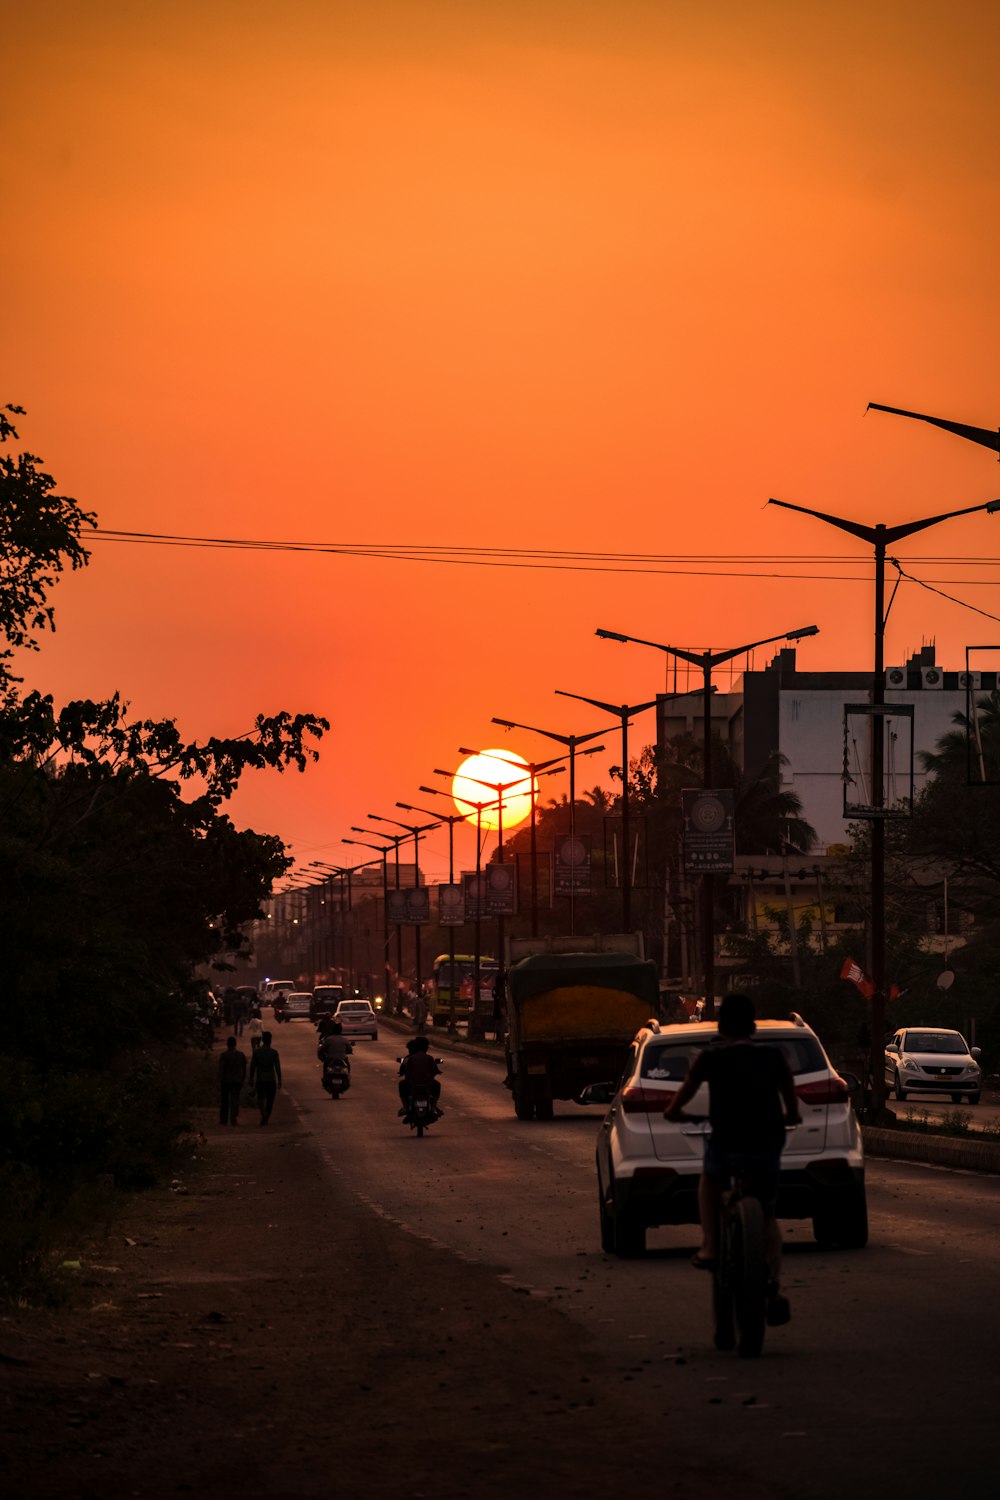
(421, 1111)
(336, 1076)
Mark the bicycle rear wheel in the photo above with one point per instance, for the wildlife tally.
(749, 1276)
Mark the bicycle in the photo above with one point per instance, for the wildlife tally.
(740, 1275)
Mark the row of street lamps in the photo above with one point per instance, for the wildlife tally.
(880, 537)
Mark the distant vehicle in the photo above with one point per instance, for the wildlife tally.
(648, 1167)
(930, 1060)
(272, 988)
(296, 1003)
(357, 1018)
(326, 998)
(448, 982)
(571, 1017)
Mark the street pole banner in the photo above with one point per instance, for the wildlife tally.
(573, 862)
(709, 831)
(451, 906)
(418, 905)
(501, 890)
(475, 899)
(397, 907)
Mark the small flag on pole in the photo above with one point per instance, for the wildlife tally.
(855, 975)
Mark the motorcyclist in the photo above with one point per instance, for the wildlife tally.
(419, 1069)
(335, 1048)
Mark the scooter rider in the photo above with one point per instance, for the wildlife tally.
(419, 1069)
(335, 1047)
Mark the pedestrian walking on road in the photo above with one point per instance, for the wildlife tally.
(255, 1027)
(265, 1076)
(232, 1072)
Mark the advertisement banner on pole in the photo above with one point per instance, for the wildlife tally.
(451, 906)
(501, 890)
(409, 907)
(475, 899)
(709, 831)
(418, 906)
(573, 860)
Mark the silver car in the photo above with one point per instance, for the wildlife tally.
(648, 1167)
(930, 1060)
(357, 1018)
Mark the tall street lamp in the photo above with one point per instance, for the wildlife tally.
(535, 769)
(571, 741)
(706, 660)
(477, 927)
(623, 712)
(500, 787)
(451, 819)
(880, 537)
(414, 830)
(383, 853)
(393, 840)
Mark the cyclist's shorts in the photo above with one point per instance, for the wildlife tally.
(758, 1169)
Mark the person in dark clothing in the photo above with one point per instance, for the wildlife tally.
(232, 1072)
(265, 1076)
(752, 1099)
(419, 1068)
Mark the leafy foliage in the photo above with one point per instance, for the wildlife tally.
(40, 535)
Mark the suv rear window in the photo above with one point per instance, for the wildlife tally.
(671, 1060)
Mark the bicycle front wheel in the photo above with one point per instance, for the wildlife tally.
(749, 1269)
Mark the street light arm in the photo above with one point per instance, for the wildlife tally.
(884, 535)
(981, 435)
(866, 533)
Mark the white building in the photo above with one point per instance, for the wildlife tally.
(801, 716)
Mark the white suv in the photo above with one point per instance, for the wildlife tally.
(648, 1168)
(928, 1060)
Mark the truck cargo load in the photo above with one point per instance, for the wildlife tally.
(570, 1019)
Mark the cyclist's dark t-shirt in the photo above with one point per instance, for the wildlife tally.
(745, 1107)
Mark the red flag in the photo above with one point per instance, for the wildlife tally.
(855, 975)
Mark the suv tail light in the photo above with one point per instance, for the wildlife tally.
(639, 1101)
(831, 1090)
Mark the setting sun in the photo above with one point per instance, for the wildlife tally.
(479, 778)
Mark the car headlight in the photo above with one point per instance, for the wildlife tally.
(910, 1066)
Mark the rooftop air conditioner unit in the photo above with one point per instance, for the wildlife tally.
(931, 677)
(970, 680)
(895, 677)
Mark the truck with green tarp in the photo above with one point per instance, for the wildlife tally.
(571, 1016)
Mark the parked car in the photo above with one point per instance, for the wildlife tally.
(296, 1003)
(931, 1060)
(326, 998)
(357, 1018)
(648, 1168)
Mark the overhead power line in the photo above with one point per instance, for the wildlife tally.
(698, 565)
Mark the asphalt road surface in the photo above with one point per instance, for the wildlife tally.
(884, 1377)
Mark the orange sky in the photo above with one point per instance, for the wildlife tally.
(541, 274)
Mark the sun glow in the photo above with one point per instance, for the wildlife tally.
(479, 778)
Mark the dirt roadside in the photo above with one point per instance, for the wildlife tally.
(257, 1330)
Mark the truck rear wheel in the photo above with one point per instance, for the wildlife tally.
(523, 1104)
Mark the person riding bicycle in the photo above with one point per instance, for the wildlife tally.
(419, 1069)
(752, 1100)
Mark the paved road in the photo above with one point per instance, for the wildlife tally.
(897, 1340)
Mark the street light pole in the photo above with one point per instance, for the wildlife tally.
(392, 1001)
(414, 831)
(535, 769)
(879, 537)
(451, 819)
(571, 741)
(706, 660)
(477, 927)
(623, 712)
(384, 855)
